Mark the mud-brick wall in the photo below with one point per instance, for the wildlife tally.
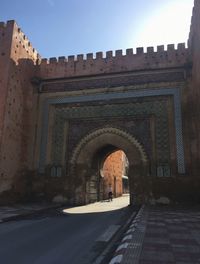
(19, 104)
(113, 62)
(113, 169)
(5, 45)
(191, 100)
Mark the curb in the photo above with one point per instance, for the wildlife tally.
(127, 237)
(30, 213)
(104, 255)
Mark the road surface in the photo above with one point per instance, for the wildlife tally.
(76, 237)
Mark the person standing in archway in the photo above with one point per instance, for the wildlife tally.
(110, 193)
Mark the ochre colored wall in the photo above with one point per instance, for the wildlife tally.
(93, 64)
(113, 169)
(20, 119)
(192, 97)
(17, 115)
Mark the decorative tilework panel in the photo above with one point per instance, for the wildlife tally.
(137, 94)
(141, 130)
(114, 81)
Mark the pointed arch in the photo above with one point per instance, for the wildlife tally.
(108, 130)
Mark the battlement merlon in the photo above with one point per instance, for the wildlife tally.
(194, 34)
(21, 46)
(110, 62)
(94, 63)
(119, 53)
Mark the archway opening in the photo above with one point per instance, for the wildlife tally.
(114, 175)
(88, 160)
(109, 172)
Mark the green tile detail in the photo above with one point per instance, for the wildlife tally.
(158, 108)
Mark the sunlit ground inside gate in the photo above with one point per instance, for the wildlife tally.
(102, 206)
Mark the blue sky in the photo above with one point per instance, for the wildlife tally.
(70, 27)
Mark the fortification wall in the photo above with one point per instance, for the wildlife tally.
(112, 63)
(191, 98)
(5, 46)
(19, 112)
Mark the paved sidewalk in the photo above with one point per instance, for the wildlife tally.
(161, 235)
(8, 213)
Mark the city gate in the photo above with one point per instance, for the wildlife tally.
(83, 119)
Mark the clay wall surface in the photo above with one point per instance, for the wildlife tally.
(173, 67)
(5, 47)
(113, 169)
(192, 96)
(18, 123)
(99, 64)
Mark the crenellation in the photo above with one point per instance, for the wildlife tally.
(17, 68)
(117, 61)
(160, 48)
(23, 42)
(44, 61)
(10, 23)
(150, 49)
(7, 27)
(140, 50)
(170, 47)
(62, 59)
(99, 55)
(53, 60)
(109, 54)
(101, 62)
(181, 47)
(43, 100)
(191, 31)
(118, 53)
(71, 58)
(129, 51)
(89, 56)
(2, 24)
(80, 57)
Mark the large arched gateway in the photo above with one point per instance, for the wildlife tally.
(60, 118)
(79, 128)
(90, 153)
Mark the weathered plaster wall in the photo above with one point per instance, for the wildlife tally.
(100, 64)
(18, 110)
(5, 49)
(192, 101)
(113, 169)
(92, 75)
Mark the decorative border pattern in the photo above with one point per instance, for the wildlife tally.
(110, 130)
(175, 92)
(115, 114)
(125, 79)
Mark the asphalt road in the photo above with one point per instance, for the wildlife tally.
(76, 237)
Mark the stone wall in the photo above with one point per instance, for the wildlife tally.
(17, 115)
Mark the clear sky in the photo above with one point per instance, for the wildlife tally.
(70, 27)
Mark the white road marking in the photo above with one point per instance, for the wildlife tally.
(108, 234)
(116, 259)
(122, 246)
